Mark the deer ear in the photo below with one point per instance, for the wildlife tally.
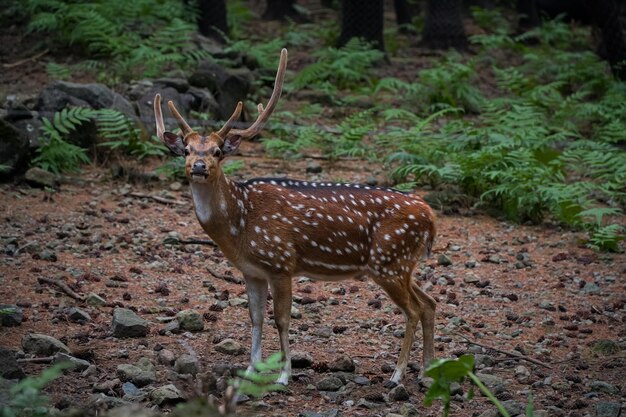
(231, 144)
(174, 143)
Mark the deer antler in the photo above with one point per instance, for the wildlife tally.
(184, 127)
(264, 114)
(158, 115)
(231, 121)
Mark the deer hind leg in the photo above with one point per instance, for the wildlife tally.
(427, 317)
(406, 299)
(257, 298)
(281, 293)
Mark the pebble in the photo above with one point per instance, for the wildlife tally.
(399, 393)
(166, 394)
(229, 347)
(444, 260)
(187, 364)
(607, 409)
(342, 364)
(11, 315)
(166, 357)
(301, 360)
(190, 320)
(331, 383)
(126, 323)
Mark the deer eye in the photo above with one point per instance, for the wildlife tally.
(217, 152)
(186, 151)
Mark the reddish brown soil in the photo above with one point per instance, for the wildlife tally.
(69, 219)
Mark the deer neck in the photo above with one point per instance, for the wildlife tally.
(219, 211)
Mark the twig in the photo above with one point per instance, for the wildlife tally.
(194, 241)
(18, 250)
(46, 359)
(25, 60)
(226, 278)
(158, 199)
(63, 286)
(513, 354)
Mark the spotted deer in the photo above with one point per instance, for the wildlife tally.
(274, 229)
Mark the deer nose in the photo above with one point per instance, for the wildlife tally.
(199, 167)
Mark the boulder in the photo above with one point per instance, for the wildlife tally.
(43, 345)
(14, 149)
(9, 368)
(11, 315)
(126, 323)
(227, 84)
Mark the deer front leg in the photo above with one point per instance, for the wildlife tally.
(281, 292)
(257, 297)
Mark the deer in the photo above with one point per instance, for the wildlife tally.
(275, 229)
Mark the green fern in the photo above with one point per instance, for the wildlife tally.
(123, 134)
(607, 238)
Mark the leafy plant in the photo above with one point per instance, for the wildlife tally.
(261, 380)
(113, 124)
(446, 371)
(26, 398)
(55, 154)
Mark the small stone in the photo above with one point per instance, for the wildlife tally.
(40, 178)
(521, 374)
(471, 278)
(48, 255)
(11, 315)
(409, 410)
(602, 386)
(78, 364)
(166, 357)
(95, 300)
(176, 186)
(187, 364)
(229, 347)
(494, 383)
(591, 288)
(131, 391)
(370, 405)
(608, 409)
(547, 305)
(331, 383)
(43, 345)
(301, 360)
(456, 389)
(167, 394)
(342, 364)
(77, 315)
(313, 167)
(399, 393)
(361, 380)
(444, 260)
(190, 320)
(295, 313)
(126, 323)
(238, 302)
(107, 386)
(140, 374)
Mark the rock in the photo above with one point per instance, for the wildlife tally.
(190, 320)
(342, 363)
(547, 305)
(128, 324)
(513, 407)
(11, 315)
(228, 85)
(108, 386)
(591, 288)
(238, 302)
(167, 394)
(399, 393)
(14, 149)
(131, 392)
(331, 383)
(166, 357)
(444, 260)
(313, 167)
(9, 367)
(79, 365)
(301, 360)
(409, 410)
(75, 314)
(471, 278)
(229, 347)
(47, 255)
(521, 374)
(602, 386)
(370, 405)
(61, 94)
(495, 384)
(295, 313)
(187, 364)
(43, 345)
(105, 402)
(95, 300)
(608, 409)
(482, 361)
(38, 177)
(141, 374)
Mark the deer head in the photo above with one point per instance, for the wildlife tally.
(204, 153)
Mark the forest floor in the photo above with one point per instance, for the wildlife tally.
(532, 289)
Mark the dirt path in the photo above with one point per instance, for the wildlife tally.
(527, 288)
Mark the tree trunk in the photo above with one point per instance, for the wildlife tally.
(606, 16)
(529, 16)
(406, 10)
(283, 10)
(212, 19)
(362, 19)
(443, 27)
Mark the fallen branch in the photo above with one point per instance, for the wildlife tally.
(25, 60)
(227, 278)
(158, 199)
(511, 353)
(194, 241)
(46, 359)
(63, 286)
